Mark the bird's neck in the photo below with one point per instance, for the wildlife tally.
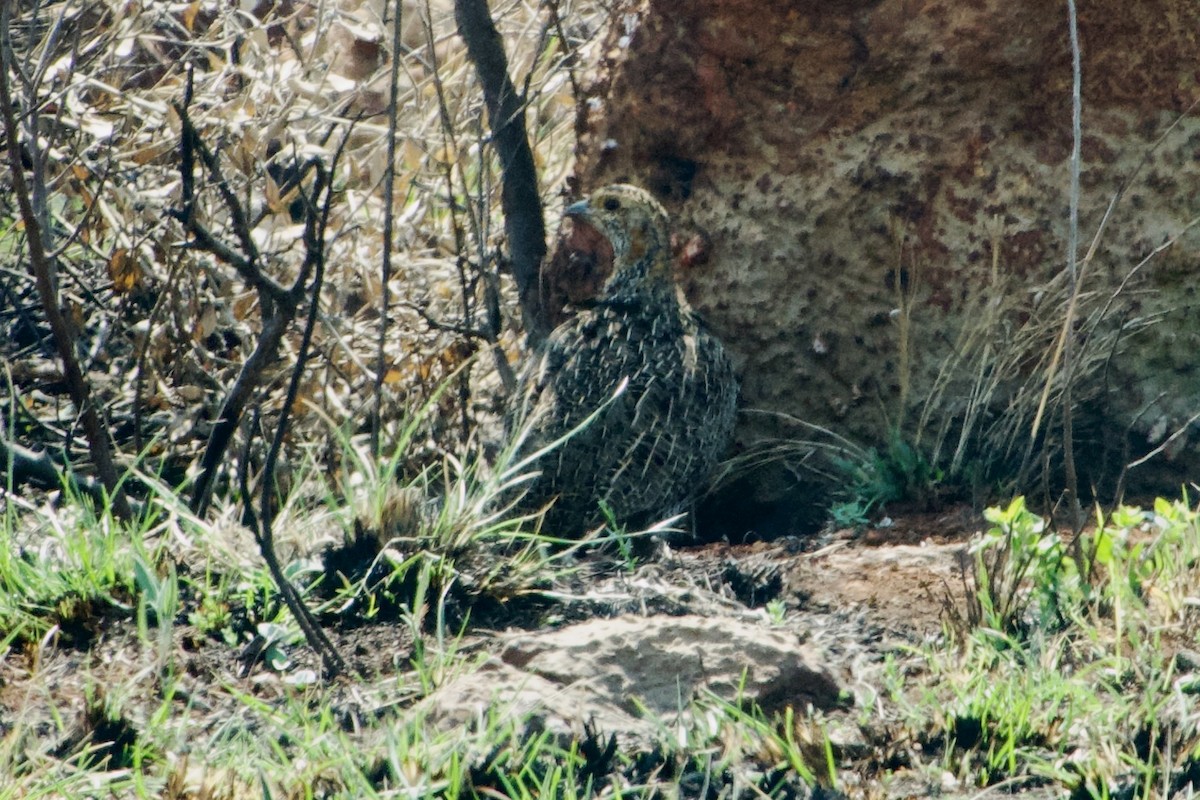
(643, 281)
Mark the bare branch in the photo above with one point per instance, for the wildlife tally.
(1072, 477)
(316, 223)
(42, 268)
(36, 468)
(248, 261)
(278, 304)
(520, 200)
(389, 217)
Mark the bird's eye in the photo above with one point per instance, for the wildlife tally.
(611, 204)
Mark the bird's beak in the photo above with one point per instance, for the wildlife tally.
(579, 208)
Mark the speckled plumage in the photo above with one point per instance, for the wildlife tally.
(650, 449)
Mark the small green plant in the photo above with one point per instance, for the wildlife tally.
(1024, 574)
(899, 473)
(158, 605)
(79, 567)
(903, 472)
(621, 538)
(211, 611)
(787, 749)
(453, 533)
(1019, 567)
(1070, 637)
(849, 514)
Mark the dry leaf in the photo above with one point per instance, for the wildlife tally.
(189, 15)
(145, 155)
(271, 194)
(125, 271)
(189, 393)
(206, 324)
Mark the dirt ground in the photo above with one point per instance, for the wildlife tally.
(856, 597)
(901, 572)
(904, 573)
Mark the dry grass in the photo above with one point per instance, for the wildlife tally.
(169, 326)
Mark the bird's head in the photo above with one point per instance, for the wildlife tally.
(637, 228)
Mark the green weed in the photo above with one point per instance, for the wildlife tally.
(875, 478)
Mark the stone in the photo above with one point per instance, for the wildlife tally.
(885, 194)
(663, 662)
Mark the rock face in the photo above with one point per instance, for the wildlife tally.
(879, 193)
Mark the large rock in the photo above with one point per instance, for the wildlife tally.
(879, 193)
(629, 674)
(663, 663)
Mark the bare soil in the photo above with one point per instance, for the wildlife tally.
(855, 597)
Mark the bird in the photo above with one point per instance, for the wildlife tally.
(643, 393)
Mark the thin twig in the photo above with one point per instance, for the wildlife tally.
(570, 58)
(1064, 347)
(1083, 264)
(1182, 429)
(21, 465)
(278, 304)
(1071, 475)
(465, 331)
(389, 218)
(248, 260)
(42, 268)
(315, 226)
(466, 282)
(143, 348)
